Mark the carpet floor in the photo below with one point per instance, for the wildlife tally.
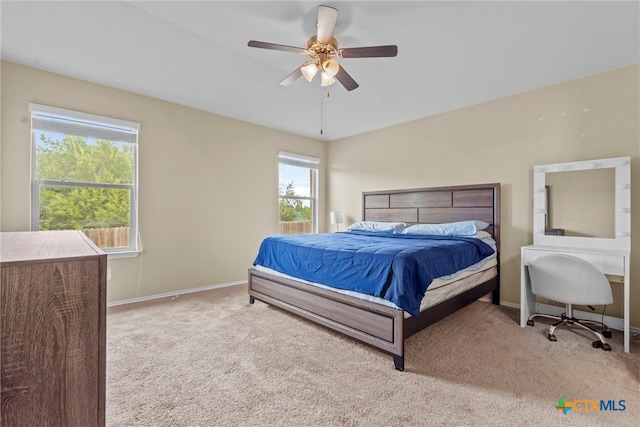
(212, 359)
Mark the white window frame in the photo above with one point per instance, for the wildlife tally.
(92, 126)
(312, 163)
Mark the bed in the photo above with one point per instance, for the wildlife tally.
(371, 320)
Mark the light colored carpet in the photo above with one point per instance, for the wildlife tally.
(212, 359)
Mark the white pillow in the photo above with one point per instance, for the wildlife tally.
(378, 226)
(460, 228)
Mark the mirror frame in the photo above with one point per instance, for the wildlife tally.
(622, 209)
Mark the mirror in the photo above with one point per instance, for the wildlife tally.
(583, 204)
(580, 202)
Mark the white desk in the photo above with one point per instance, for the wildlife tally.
(612, 262)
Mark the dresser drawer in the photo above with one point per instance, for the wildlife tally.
(608, 264)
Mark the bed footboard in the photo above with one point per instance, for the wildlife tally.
(374, 324)
(383, 327)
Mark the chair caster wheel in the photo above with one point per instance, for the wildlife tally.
(552, 337)
(602, 345)
(607, 333)
(530, 322)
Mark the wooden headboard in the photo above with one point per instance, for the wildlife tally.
(436, 205)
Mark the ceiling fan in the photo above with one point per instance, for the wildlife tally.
(323, 51)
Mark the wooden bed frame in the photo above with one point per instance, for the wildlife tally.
(380, 326)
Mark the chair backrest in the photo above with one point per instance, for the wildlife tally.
(569, 280)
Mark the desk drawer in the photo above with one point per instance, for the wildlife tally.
(608, 264)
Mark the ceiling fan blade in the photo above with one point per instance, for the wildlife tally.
(370, 52)
(291, 77)
(326, 23)
(346, 80)
(273, 46)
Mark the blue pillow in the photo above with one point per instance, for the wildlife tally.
(460, 228)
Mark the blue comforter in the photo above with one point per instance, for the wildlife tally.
(396, 267)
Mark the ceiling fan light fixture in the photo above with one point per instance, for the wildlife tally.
(322, 49)
(326, 79)
(331, 67)
(309, 70)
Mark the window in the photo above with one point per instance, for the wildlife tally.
(84, 176)
(298, 190)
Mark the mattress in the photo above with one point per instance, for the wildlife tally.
(441, 289)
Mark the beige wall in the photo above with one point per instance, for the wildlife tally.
(208, 184)
(501, 141)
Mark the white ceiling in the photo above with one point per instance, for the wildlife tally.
(451, 54)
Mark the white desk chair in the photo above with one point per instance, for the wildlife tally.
(570, 280)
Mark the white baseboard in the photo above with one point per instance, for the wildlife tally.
(173, 294)
(510, 304)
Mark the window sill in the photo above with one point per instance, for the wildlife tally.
(123, 254)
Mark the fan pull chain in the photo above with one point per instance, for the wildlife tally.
(322, 95)
(321, 110)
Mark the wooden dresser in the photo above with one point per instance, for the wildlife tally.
(53, 335)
